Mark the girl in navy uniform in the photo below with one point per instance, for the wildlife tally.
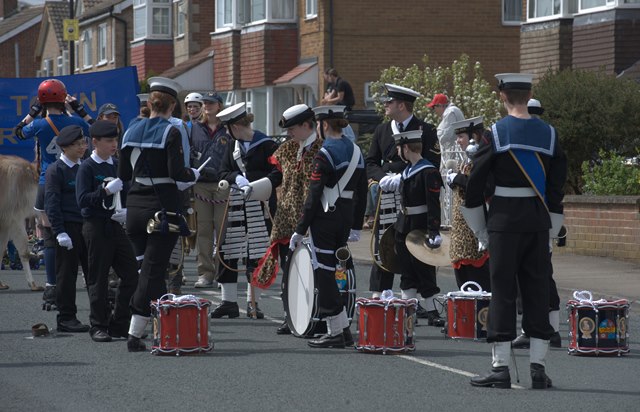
(332, 213)
(153, 159)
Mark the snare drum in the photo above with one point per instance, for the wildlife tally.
(386, 325)
(300, 294)
(598, 328)
(468, 312)
(180, 325)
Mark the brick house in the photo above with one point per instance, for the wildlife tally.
(18, 28)
(50, 48)
(581, 34)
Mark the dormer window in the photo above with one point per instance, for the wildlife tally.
(151, 19)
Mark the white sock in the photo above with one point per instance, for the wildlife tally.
(429, 304)
(230, 292)
(538, 350)
(253, 290)
(554, 320)
(409, 293)
(500, 354)
(138, 325)
(335, 324)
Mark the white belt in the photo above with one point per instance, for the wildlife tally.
(414, 210)
(347, 194)
(150, 181)
(514, 191)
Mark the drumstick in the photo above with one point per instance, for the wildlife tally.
(203, 165)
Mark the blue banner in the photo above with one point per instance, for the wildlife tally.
(118, 86)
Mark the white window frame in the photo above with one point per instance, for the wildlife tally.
(238, 7)
(147, 8)
(511, 22)
(140, 32)
(87, 49)
(102, 51)
(47, 67)
(59, 66)
(181, 17)
(564, 11)
(311, 9)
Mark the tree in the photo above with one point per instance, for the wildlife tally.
(593, 113)
(463, 83)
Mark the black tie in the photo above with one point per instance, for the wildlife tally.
(401, 127)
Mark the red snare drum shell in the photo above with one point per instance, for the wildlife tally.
(385, 326)
(601, 332)
(181, 327)
(467, 317)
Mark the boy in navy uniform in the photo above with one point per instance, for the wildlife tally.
(66, 223)
(106, 241)
(529, 167)
(419, 187)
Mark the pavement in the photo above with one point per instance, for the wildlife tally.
(603, 277)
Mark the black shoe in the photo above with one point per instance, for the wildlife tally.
(434, 319)
(521, 342)
(328, 341)
(539, 379)
(421, 312)
(259, 313)
(226, 308)
(100, 336)
(135, 344)
(498, 378)
(348, 337)
(116, 331)
(283, 329)
(73, 326)
(555, 341)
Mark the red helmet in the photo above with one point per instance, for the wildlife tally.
(52, 91)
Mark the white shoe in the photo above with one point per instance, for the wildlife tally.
(203, 282)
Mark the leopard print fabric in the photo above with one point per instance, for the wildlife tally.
(464, 244)
(295, 186)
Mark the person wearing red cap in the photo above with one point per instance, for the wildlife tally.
(449, 113)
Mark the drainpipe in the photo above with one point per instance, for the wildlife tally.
(126, 61)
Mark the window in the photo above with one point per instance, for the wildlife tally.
(311, 8)
(283, 9)
(224, 13)
(47, 67)
(551, 8)
(234, 14)
(87, 48)
(102, 43)
(151, 18)
(181, 18)
(60, 66)
(511, 12)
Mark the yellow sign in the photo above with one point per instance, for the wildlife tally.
(71, 30)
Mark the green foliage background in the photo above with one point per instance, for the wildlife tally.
(611, 176)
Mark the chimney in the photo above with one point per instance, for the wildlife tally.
(7, 8)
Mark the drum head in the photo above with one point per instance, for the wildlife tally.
(300, 291)
(435, 257)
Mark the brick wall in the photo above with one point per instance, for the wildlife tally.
(200, 23)
(267, 54)
(594, 46)
(226, 61)
(152, 55)
(546, 45)
(603, 226)
(27, 48)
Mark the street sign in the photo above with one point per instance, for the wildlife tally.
(71, 30)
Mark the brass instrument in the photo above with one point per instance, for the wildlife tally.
(343, 254)
(155, 224)
(382, 245)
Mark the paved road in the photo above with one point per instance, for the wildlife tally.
(253, 369)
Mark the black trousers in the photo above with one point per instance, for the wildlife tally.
(415, 274)
(108, 246)
(524, 256)
(479, 275)
(329, 231)
(380, 280)
(67, 271)
(156, 251)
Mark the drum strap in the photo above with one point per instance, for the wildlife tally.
(323, 252)
(331, 194)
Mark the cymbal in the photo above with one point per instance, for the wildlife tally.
(435, 257)
(387, 248)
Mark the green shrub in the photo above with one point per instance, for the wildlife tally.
(610, 175)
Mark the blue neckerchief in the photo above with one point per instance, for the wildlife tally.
(147, 133)
(527, 134)
(411, 170)
(179, 124)
(258, 139)
(339, 152)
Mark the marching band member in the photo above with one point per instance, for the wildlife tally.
(469, 264)
(419, 186)
(105, 238)
(294, 158)
(524, 157)
(383, 158)
(66, 224)
(244, 162)
(332, 213)
(152, 157)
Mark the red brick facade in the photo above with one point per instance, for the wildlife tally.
(546, 45)
(226, 60)
(152, 56)
(267, 54)
(28, 63)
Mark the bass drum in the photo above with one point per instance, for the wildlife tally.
(300, 294)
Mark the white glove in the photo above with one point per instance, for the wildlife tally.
(114, 186)
(483, 240)
(182, 186)
(354, 236)
(64, 240)
(120, 216)
(390, 183)
(196, 173)
(434, 240)
(241, 181)
(450, 176)
(296, 239)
